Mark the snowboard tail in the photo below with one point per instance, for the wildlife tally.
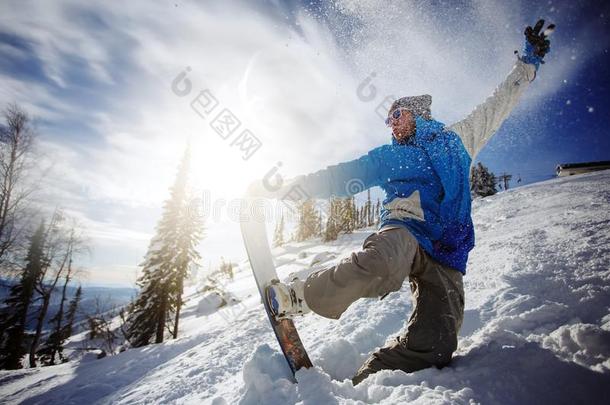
(290, 342)
(254, 234)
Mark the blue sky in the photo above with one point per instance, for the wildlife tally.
(571, 125)
(97, 78)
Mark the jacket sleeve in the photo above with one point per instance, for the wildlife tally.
(480, 125)
(342, 180)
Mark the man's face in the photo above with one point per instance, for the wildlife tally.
(403, 126)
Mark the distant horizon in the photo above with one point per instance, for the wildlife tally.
(85, 284)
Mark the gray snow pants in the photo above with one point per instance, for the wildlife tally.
(387, 258)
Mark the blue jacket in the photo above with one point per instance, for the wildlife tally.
(426, 181)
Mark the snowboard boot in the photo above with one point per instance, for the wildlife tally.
(287, 300)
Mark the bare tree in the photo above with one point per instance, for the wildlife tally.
(105, 328)
(61, 244)
(63, 320)
(16, 143)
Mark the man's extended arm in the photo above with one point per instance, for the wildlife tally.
(342, 180)
(479, 126)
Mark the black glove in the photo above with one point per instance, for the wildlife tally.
(538, 40)
(536, 43)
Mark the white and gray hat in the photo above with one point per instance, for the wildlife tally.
(418, 105)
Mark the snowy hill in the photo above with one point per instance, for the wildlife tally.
(536, 329)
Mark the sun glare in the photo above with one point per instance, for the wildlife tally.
(219, 169)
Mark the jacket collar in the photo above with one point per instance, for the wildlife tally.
(424, 131)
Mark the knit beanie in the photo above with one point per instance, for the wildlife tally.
(417, 105)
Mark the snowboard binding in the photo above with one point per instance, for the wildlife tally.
(285, 301)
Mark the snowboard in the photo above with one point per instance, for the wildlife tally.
(254, 234)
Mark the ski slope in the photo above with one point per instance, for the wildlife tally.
(536, 329)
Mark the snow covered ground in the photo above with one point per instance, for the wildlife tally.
(536, 330)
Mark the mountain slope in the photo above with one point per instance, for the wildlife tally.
(537, 325)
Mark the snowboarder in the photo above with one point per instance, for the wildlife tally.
(425, 231)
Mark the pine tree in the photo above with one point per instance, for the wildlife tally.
(68, 327)
(71, 314)
(308, 221)
(14, 317)
(354, 210)
(378, 212)
(347, 215)
(319, 227)
(332, 229)
(482, 181)
(149, 309)
(489, 182)
(369, 209)
(170, 253)
(330, 232)
(226, 268)
(190, 233)
(278, 235)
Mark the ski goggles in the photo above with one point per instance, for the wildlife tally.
(395, 115)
